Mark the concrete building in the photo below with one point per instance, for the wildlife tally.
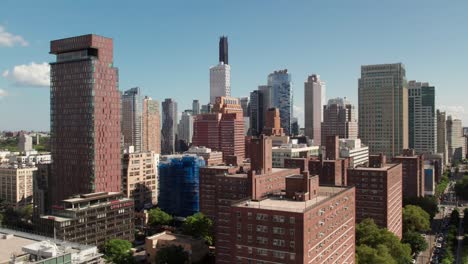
(211, 157)
(25, 143)
(90, 219)
(442, 143)
(412, 173)
(379, 193)
(16, 184)
(355, 151)
(429, 180)
(169, 126)
(314, 100)
(140, 178)
(281, 96)
(151, 126)
(196, 248)
(422, 117)
(220, 75)
(22, 248)
(185, 128)
(455, 139)
(339, 119)
(245, 104)
(84, 91)
(132, 118)
(383, 108)
(292, 150)
(436, 160)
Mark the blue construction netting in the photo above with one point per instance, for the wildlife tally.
(179, 180)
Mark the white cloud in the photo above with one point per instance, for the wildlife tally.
(298, 112)
(457, 111)
(7, 39)
(33, 74)
(3, 93)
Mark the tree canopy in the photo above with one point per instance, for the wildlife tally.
(118, 251)
(376, 244)
(172, 255)
(427, 203)
(198, 225)
(415, 240)
(157, 217)
(415, 219)
(460, 188)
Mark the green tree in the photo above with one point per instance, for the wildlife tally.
(157, 217)
(415, 219)
(460, 188)
(198, 225)
(382, 240)
(368, 255)
(455, 217)
(415, 240)
(427, 203)
(118, 251)
(172, 255)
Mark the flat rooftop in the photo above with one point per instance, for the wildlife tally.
(277, 203)
(12, 245)
(384, 168)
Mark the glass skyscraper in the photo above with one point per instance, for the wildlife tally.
(282, 96)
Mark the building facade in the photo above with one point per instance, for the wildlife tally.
(25, 143)
(85, 126)
(196, 107)
(132, 118)
(412, 173)
(383, 108)
(292, 150)
(281, 96)
(211, 157)
(455, 139)
(422, 118)
(169, 126)
(151, 125)
(185, 128)
(355, 151)
(339, 119)
(16, 184)
(314, 100)
(442, 144)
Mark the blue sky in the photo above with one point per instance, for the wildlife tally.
(167, 47)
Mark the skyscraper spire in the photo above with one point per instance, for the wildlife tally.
(223, 49)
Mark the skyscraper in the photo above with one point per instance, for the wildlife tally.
(131, 118)
(314, 100)
(455, 139)
(258, 106)
(223, 50)
(422, 117)
(185, 128)
(340, 119)
(282, 96)
(220, 75)
(442, 146)
(195, 107)
(169, 126)
(85, 117)
(151, 125)
(383, 108)
(245, 104)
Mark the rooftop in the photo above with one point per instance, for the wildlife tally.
(384, 168)
(280, 203)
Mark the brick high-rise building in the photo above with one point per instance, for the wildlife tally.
(151, 126)
(273, 123)
(85, 117)
(339, 119)
(379, 193)
(412, 173)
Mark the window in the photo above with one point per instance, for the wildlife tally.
(292, 220)
(279, 255)
(278, 218)
(262, 217)
(278, 230)
(262, 228)
(278, 242)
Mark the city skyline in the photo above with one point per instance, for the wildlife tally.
(155, 62)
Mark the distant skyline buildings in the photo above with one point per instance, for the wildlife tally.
(340, 119)
(169, 126)
(314, 101)
(185, 128)
(383, 108)
(151, 125)
(281, 96)
(132, 118)
(196, 107)
(220, 75)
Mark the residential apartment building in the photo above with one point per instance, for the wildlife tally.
(211, 157)
(16, 184)
(292, 150)
(132, 118)
(455, 139)
(339, 119)
(169, 126)
(151, 126)
(355, 151)
(412, 173)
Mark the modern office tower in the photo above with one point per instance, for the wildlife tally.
(90, 219)
(442, 144)
(179, 180)
(281, 96)
(211, 157)
(169, 126)
(455, 139)
(16, 184)
(295, 127)
(41, 189)
(422, 118)
(85, 117)
(222, 130)
(314, 100)
(245, 104)
(412, 173)
(132, 118)
(196, 107)
(340, 119)
(220, 75)
(25, 143)
(185, 128)
(151, 125)
(140, 178)
(355, 151)
(256, 113)
(379, 193)
(223, 50)
(383, 108)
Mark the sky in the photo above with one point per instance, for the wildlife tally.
(167, 47)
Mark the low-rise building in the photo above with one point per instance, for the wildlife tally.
(292, 150)
(16, 184)
(90, 219)
(211, 157)
(352, 148)
(196, 248)
(413, 177)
